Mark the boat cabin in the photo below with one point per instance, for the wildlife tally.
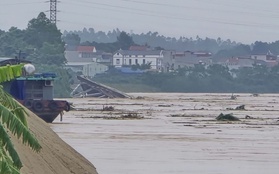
(37, 87)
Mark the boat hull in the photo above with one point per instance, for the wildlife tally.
(48, 110)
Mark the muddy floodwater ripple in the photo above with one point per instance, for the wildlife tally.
(175, 133)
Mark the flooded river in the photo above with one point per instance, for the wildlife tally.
(175, 133)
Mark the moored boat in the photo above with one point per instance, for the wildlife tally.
(33, 90)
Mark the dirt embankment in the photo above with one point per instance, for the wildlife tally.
(55, 157)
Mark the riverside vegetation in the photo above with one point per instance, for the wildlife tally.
(214, 78)
(44, 44)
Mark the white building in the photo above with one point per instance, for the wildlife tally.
(267, 57)
(131, 57)
(86, 68)
(87, 61)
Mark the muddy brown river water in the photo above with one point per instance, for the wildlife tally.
(159, 133)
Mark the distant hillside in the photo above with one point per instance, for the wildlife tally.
(220, 49)
(154, 39)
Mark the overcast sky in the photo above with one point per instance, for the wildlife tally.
(243, 21)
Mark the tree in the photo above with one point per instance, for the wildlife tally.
(11, 42)
(260, 48)
(46, 41)
(125, 41)
(62, 83)
(50, 54)
(13, 119)
(41, 30)
(72, 39)
(219, 71)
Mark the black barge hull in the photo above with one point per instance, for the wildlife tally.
(48, 110)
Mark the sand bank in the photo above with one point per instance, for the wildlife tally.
(55, 157)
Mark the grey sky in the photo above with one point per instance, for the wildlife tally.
(244, 21)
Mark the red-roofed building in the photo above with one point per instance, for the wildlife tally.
(87, 52)
(138, 48)
(89, 49)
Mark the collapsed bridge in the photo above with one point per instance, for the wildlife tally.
(89, 88)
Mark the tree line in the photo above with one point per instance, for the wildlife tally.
(201, 79)
(41, 43)
(218, 47)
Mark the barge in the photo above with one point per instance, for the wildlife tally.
(33, 90)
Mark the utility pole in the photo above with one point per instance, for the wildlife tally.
(53, 11)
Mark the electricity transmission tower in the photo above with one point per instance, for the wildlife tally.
(53, 11)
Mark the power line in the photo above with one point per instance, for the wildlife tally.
(20, 3)
(205, 8)
(152, 14)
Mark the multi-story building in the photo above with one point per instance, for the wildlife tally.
(87, 60)
(138, 57)
(176, 59)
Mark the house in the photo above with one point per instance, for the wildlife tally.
(89, 69)
(178, 59)
(138, 48)
(267, 57)
(138, 57)
(237, 62)
(86, 51)
(88, 54)
(87, 60)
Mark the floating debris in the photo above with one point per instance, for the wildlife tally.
(233, 97)
(164, 105)
(241, 107)
(248, 117)
(108, 108)
(131, 116)
(227, 117)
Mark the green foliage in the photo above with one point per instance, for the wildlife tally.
(46, 41)
(238, 50)
(13, 119)
(49, 54)
(125, 41)
(62, 83)
(107, 47)
(214, 78)
(41, 30)
(154, 39)
(140, 67)
(260, 48)
(72, 39)
(219, 71)
(11, 42)
(8, 73)
(40, 43)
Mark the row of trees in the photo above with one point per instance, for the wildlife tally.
(41, 43)
(219, 47)
(154, 39)
(123, 41)
(214, 78)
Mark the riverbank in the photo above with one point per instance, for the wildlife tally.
(55, 157)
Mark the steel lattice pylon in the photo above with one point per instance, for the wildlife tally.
(53, 10)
